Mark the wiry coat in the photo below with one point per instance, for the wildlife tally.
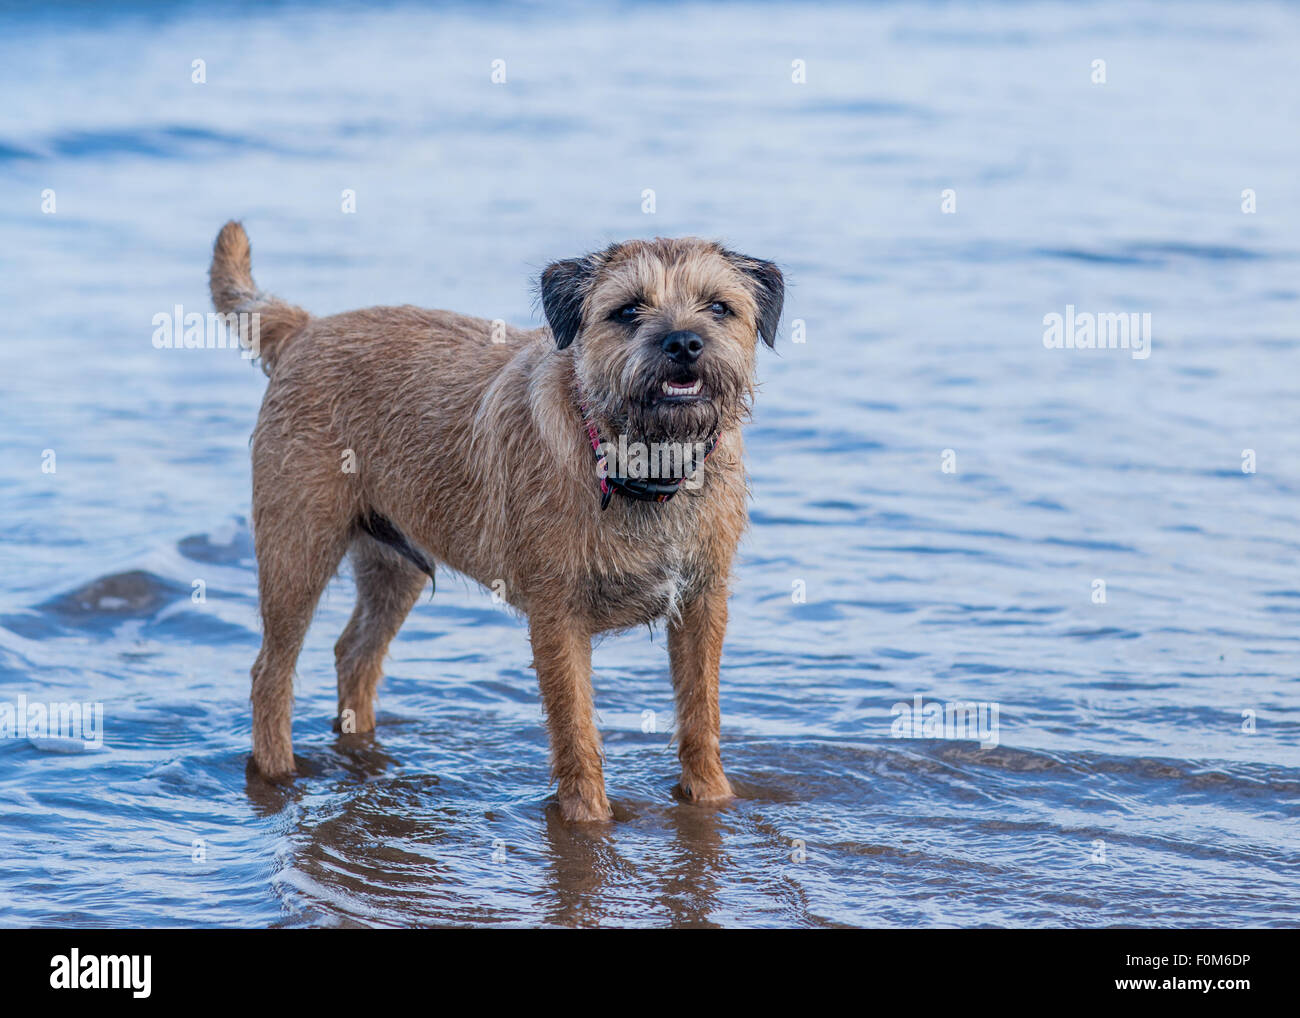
(410, 438)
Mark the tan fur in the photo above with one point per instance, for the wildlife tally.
(476, 452)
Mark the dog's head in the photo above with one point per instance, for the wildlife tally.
(664, 332)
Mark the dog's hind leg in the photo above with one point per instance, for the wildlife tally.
(388, 585)
(298, 551)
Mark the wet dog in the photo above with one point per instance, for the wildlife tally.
(407, 439)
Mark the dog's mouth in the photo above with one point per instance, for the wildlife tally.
(679, 403)
(680, 391)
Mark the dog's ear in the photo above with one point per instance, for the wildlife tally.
(769, 292)
(564, 287)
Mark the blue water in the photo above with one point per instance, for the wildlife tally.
(1127, 786)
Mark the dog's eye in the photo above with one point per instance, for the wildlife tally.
(627, 314)
(719, 309)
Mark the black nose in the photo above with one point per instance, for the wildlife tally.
(682, 346)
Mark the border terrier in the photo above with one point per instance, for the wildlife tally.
(407, 439)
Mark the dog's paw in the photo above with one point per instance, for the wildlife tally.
(711, 790)
(589, 809)
(274, 765)
(278, 775)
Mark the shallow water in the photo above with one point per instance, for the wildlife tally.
(1124, 788)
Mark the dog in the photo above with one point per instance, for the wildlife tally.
(406, 438)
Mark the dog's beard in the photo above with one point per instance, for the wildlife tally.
(676, 422)
(635, 403)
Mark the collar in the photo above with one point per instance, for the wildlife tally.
(639, 489)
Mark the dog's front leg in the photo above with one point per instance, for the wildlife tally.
(695, 653)
(562, 657)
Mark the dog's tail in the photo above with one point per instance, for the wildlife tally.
(266, 323)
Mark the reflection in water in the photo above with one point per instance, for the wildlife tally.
(699, 865)
(582, 860)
